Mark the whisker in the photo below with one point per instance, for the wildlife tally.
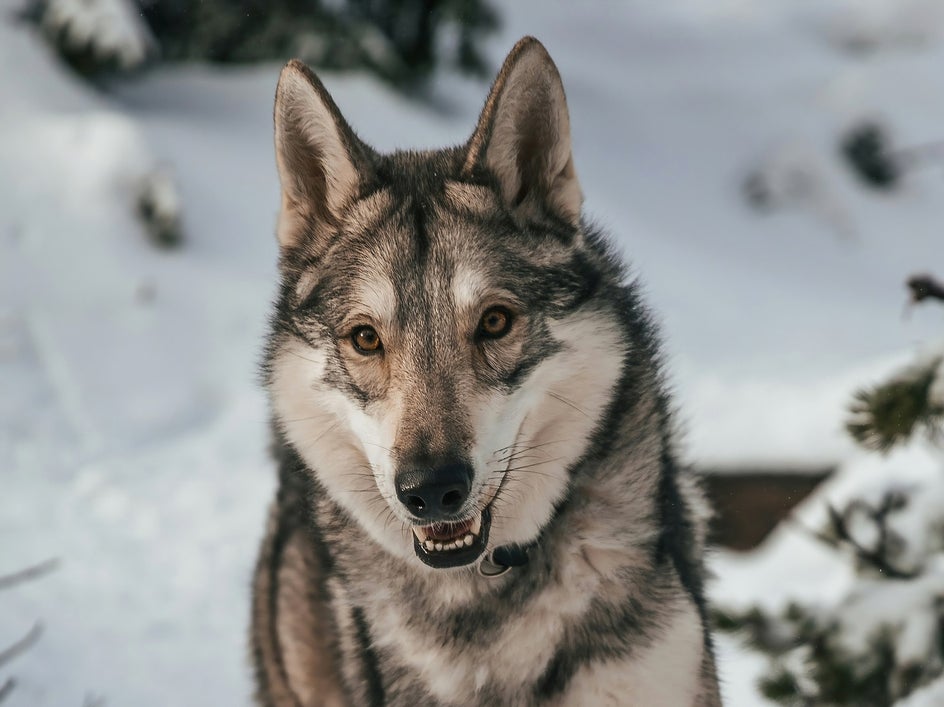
(529, 447)
(526, 449)
(319, 437)
(304, 419)
(386, 449)
(303, 358)
(569, 403)
(533, 464)
(516, 457)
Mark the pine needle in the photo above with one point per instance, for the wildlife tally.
(891, 413)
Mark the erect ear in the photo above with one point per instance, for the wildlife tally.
(321, 162)
(523, 136)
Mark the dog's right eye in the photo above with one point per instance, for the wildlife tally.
(366, 340)
(495, 323)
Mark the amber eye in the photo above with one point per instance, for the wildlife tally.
(495, 323)
(366, 340)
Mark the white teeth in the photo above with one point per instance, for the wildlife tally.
(465, 541)
(458, 543)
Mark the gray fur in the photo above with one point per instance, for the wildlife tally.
(611, 598)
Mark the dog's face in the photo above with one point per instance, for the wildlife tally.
(439, 359)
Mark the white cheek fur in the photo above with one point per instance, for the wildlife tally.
(549, 420)
(345, 447)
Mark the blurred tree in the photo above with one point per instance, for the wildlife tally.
(403, 41)
(885, 638)
(867, 149)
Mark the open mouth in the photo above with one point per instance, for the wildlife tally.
(452, 544)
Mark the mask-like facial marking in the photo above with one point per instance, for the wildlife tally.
(441, 384)
(440, 360)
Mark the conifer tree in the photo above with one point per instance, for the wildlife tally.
(885, 638)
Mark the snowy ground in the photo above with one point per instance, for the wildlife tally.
(132, 429)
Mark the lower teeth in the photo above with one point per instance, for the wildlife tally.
(465, 541)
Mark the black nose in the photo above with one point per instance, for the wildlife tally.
(435, 493)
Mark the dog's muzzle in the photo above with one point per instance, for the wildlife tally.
(452, 544)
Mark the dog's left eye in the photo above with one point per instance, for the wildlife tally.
(366, 340)
(495, 323)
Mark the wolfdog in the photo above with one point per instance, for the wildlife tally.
(479, 500)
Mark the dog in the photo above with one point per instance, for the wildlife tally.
(479, 499)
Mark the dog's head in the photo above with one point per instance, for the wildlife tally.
(442, 352)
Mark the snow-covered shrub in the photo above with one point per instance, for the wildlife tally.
(158, 206)
(872, 25)
(883, 641)
(402, 41)
(95, 35)
(867, 150)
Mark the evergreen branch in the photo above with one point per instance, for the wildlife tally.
(925, 287)
(890, 413)
(780, 686)
(877, 557)
(774, 635)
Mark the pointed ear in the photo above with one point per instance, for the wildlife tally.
(523, 136)
(321, 162)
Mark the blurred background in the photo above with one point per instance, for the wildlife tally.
(774, 172)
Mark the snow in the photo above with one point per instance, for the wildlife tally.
(905, 605)
(133, 435)
(931, 695)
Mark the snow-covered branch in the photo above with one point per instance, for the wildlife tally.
(93, 34)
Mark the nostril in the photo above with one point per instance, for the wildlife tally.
(416, 503)
(452, 499)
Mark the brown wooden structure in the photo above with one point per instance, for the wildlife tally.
(749, 504)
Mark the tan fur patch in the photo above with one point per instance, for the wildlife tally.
(366, 214)
(303, 630)
(470, 198)
(291, 635)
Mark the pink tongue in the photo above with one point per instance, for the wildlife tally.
(447, 531)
